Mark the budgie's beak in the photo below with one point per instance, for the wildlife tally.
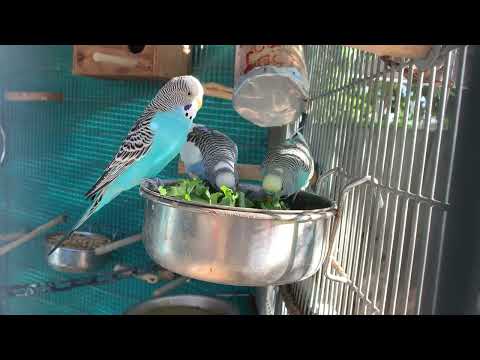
(198, 103)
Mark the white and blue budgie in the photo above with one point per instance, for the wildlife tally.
(288, 168)
(155, 139)
(211, 156)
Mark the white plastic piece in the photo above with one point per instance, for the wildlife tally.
(113, 59)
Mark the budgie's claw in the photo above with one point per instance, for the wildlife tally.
(58, 244)
(294, 197)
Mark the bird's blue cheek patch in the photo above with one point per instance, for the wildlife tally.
(187, 107)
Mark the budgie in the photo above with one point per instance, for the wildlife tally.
(155, 139)
(288, 168)
(211, 156)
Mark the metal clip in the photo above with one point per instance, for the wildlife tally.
(329, 259)
(322, 177)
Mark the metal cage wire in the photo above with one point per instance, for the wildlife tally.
(398, 126)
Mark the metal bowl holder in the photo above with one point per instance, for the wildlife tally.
(330, 262)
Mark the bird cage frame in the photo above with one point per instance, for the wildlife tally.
(367, 117)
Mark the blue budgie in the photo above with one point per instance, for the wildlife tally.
(288, 168)
(212, 156)
(155, 139)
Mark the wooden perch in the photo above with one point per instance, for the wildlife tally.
(396, 51)
(218, 91)
(32, 234)
(11, 236)
(247, 171)
(32, 96)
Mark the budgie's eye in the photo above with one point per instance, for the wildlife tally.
(189, 93)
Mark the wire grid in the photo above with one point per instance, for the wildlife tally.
(395, 126)
(56, 151)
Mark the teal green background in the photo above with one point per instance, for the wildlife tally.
(57, 150)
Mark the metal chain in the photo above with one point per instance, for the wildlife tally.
(65, 285)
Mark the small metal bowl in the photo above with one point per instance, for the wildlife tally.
(71, 260)
(183, 305)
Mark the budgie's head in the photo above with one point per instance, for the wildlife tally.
(193, 90)
(288, 167)
(211, 155)
(273, 181)
(225, 176)
(299, 139)
(184, 92)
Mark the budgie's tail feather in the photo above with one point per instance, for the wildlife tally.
(91, 210)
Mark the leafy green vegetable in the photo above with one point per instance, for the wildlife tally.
(272, 203)
(215, 197)
(197, 191)
(172, 191)
(249, 203)
(199, 199)
(229, 196)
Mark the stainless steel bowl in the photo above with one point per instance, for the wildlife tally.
(183, 305)
(235, 246)
(69, 260)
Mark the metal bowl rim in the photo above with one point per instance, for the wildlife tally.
(240, 212)
(152, 303)
(69, 269)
